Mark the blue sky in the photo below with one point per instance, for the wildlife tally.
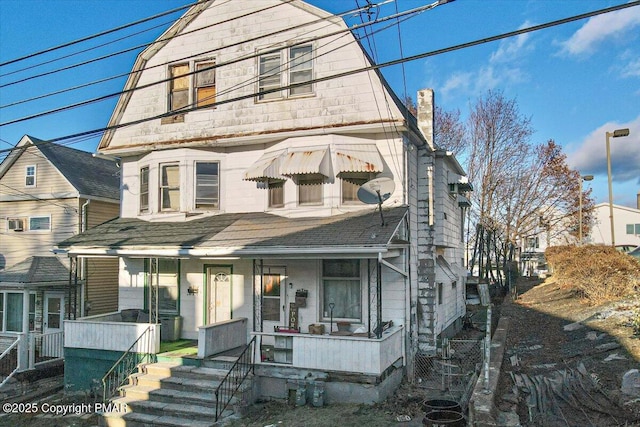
(576, 81)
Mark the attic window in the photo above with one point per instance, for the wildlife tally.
(178, 87)
(278, 70)
(40, 223)
(15, 224)
(30, 176)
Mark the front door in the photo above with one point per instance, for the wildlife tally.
(51, 345)
(53, 312)
(219, 287)
(274, 297)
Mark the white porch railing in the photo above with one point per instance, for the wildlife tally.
(221, 336)
(109, 332)
(45, 348)
(333, 352)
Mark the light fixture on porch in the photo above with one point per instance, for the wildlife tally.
(192, 290)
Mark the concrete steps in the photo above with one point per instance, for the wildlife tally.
(170, 394)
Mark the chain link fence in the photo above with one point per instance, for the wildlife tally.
(455, 365)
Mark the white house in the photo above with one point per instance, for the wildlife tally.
(626, 225)
(242, 159)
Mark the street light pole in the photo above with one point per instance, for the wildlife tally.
(615, 134)
(582, 178)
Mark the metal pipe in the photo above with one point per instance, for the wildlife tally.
(487, 350)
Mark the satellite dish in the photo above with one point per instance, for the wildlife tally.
(376, 191)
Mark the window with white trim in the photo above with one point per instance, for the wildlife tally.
(11, 306)
(274, 74)
(169, 187)
(30, 176)
(40, 223)
(341, 289)
(144, 189)
(207, 185)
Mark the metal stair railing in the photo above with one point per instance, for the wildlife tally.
(9, 362)
(125, 366)
(234, 378)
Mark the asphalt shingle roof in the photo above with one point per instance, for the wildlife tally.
(90, 175)
(36, 270)
(244, 230)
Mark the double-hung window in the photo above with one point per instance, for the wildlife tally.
(170, 187)
(205, 84)
(341, 289)
(300, 69)
(270, 76)
(192, 84)
(207, 185)
(30, 176)
(295, 69)
(144, 189)
(178, 87)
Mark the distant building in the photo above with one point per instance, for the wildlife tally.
(626, 222)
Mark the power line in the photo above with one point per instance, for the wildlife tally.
(180, 59)
(217, 65)
(360, 70)
(83, 39)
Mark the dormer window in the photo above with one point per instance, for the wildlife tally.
(170, 187)
(276, 193)
(30, 176)
(351, 182)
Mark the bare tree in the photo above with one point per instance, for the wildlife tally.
(520, 188)
(448, 130)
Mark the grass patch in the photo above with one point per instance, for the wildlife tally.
(181, 346)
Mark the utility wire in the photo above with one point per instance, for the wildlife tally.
(111, 55)
(193, 55)
(363, 69)
(113, 30)
(217, 65)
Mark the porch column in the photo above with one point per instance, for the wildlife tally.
(25, 311)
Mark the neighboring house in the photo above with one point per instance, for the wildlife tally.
(240, 206)
(48, 193)
(626, 223)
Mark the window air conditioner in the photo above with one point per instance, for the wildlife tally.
(16, 224)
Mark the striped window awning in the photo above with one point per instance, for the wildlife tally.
(265, 168)
(310, 161)
(358, 158)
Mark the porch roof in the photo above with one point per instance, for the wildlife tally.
(35, 271)
(254, 234)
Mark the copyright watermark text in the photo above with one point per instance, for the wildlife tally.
(62, 409)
